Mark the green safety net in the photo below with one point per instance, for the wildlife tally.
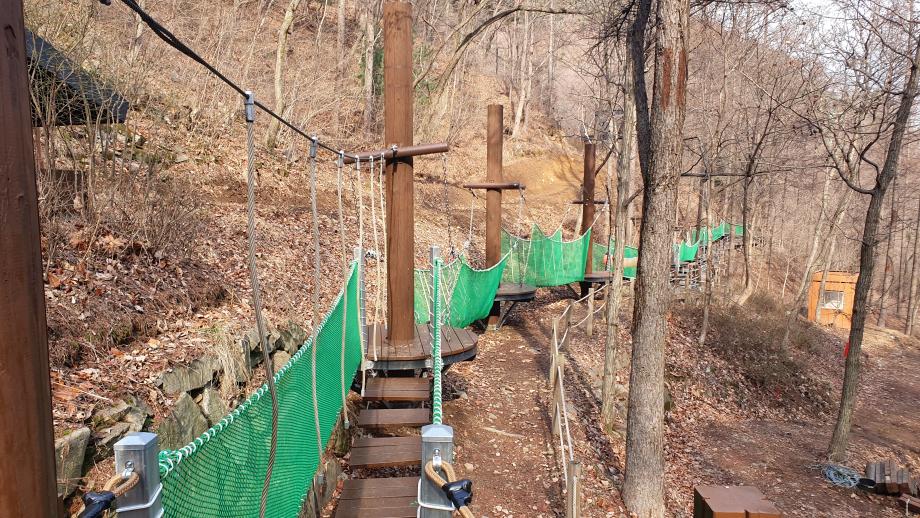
(738, 230)
(543, 260)
(467, 294)
(687, 252)
(599, 261)
(221, 473)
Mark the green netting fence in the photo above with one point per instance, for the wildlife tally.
(466, 293)
(686, 252)
(599, 258)
(543, 260)
(221, 473)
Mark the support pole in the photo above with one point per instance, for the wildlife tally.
(436, 439)
(494, 144)
(398, 97)
(138, 452)
(587, 209)
(27, 476)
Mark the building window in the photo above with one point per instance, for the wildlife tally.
(832, 300)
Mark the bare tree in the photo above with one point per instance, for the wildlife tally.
(659, 129)
(287, 24)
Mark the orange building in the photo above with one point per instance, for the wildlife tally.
(836, 306)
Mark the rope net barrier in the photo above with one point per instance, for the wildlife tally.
(466, 294)
(544, 260)
(221, 473)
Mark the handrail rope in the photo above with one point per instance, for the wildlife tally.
(383, 216)
(174, 42)
(315, 298)
(446, 205)
(257, 295)
(374, 223)
(341, 215)
(436, 404)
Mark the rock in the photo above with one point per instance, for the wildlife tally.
(212, 406)
(137, 414)
(183, 425)
(69, 453)
(279, 359)
(193, 376)
(106, 438)
(293, 338)
(110, 415)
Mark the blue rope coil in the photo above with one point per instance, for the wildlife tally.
(840, 475)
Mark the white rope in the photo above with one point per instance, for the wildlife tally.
(339, 165)
(316, 277)
(374, 224)
(386, 243)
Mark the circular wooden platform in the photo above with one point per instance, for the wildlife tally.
(598, 277)
(513, 292)
(457, 345)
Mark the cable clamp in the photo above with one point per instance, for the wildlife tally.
(314, 145)
(250, 106)
(436, 459)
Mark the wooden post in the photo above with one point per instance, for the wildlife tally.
(589, 323)
(587, 208)
(398, 97)
(27, 477)
(494, 144)
(573, 490)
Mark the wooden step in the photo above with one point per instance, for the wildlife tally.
(398, 389)
(386, 452)
(388, 418)
(378, 498)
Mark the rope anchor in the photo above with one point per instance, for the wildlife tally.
(96, 503)
(459, 492)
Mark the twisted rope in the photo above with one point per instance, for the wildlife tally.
(437, 362)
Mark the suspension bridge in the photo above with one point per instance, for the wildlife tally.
(261, 459)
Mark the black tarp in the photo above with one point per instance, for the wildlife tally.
(64, 94)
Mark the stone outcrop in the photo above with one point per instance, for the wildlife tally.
(184, 424)
(69, 454)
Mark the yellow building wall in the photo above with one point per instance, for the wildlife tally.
(836, 281)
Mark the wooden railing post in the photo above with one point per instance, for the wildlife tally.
(573, 490)
(589, 323)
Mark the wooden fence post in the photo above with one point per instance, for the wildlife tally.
(573, 490)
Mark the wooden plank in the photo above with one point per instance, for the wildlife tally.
(891, 477)
(398, 389)
(391, 507)
(356, 489)
(377, 442)
(387, 453)
(388, 417)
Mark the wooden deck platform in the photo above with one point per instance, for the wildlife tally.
(386, 452)
(602, 277)
(378, 497)
(513, 292)
(456, 345)
(376, 419)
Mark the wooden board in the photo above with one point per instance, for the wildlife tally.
(378, 497)
(453, 342)
(398, 389)
(392, 418)
(386, 452)
(509, 292)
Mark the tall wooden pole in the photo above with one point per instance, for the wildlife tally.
(397, 73)
(494, 144)
(27, 477)
(587, 197)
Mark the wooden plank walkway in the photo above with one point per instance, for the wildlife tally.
(378, 497)
(376, 419)
(397, 389)
(386, 452)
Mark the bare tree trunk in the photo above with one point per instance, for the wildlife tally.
(838, 446)
(339, 64)
(369, 37)
(271, 136)
(912, 297)
(612, 353)
(526, 76)
(746, 239)
(709, 271)
(827, 269)
(883, 307)
(660, 135)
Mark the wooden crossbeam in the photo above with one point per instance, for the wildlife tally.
(396, 152)
(500, 186)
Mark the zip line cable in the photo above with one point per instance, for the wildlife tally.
(174, 42)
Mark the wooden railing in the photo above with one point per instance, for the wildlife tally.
(563, 326)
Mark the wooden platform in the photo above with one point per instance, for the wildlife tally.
(456, 345)
(379, 497)
(386, 452)
(514, 292)
(397, 389)
(393, 418)
(602, 277)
